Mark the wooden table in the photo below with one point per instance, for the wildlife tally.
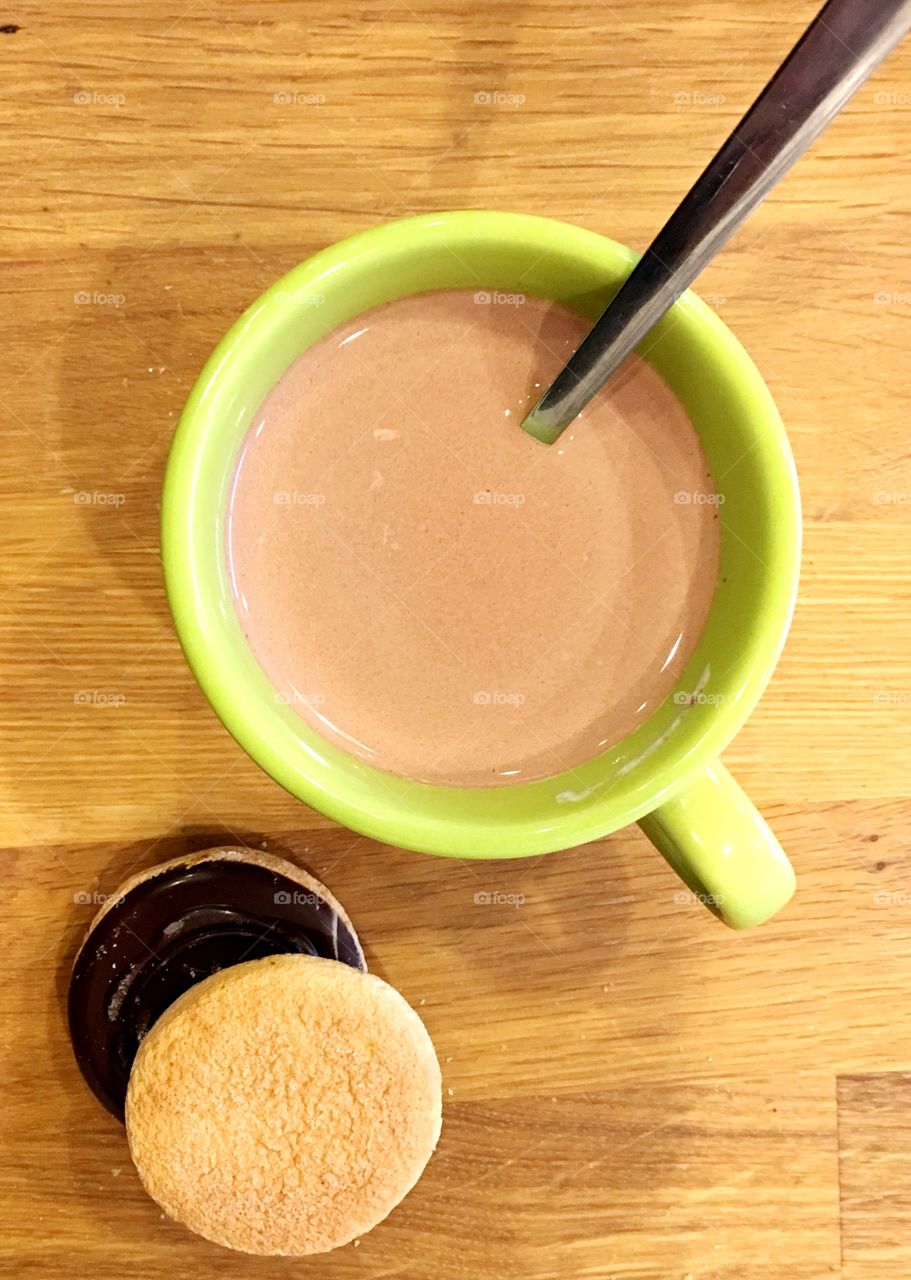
(632, 1092)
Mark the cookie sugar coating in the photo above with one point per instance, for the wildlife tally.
(284, 1106)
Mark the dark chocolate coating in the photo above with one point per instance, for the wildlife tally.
(171, 931)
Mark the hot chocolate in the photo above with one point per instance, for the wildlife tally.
(438, 593)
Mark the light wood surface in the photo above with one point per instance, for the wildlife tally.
(632, 1092)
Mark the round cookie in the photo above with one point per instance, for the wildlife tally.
(284, 1106)
(174, 925)
(225, 853)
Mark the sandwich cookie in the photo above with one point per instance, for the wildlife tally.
(278, 1099)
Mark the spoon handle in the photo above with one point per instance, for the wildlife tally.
(843, 45)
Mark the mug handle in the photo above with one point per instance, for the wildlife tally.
(722, 848)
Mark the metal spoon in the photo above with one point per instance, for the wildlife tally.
(843, 45)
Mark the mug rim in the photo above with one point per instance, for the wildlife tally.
(386, 819)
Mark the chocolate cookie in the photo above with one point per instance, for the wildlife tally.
(278, 1098)
(172, 926)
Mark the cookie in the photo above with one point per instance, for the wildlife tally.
(176, 924)
(284, 1106)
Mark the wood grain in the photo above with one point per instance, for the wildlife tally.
(632, 1092)
(873, 1147)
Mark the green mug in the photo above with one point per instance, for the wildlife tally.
(666, 775)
